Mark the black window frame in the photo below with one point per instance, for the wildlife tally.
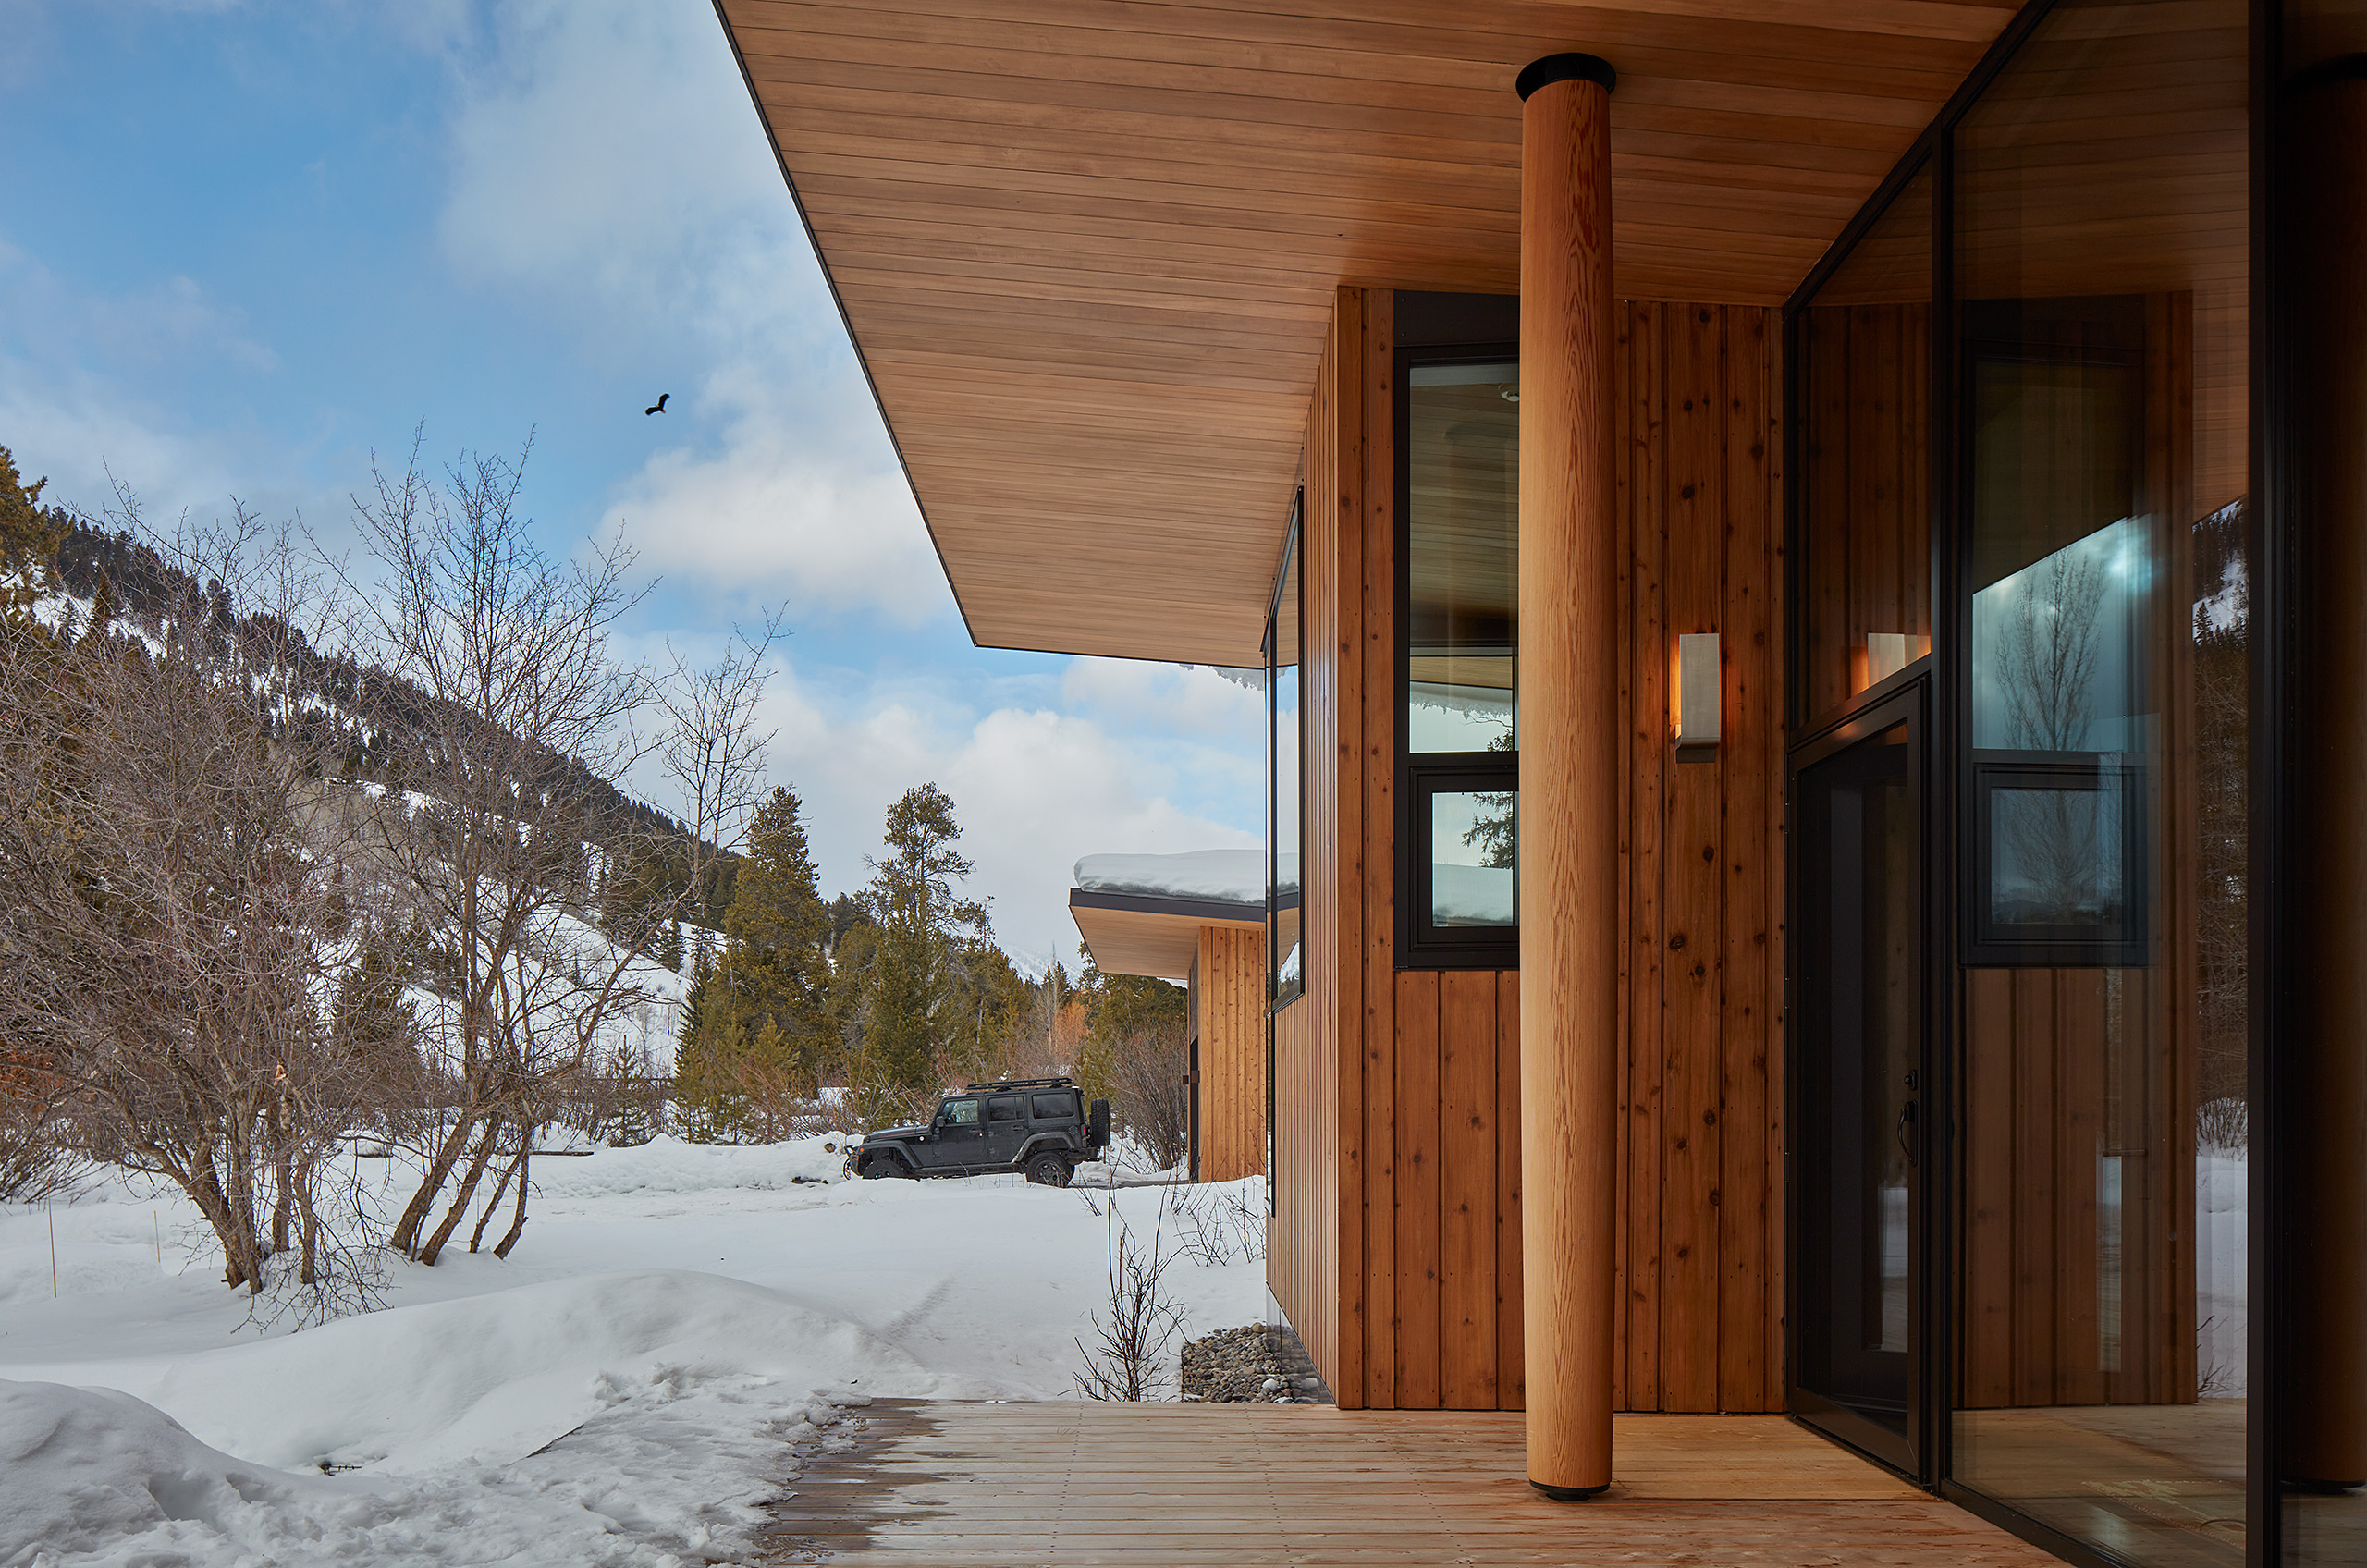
(1419, 776)
(1988, 942)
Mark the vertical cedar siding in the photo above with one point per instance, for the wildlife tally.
(1231, 996)
(1396, 1246)
(1315, 1286)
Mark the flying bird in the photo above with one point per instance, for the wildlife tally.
(658, 407)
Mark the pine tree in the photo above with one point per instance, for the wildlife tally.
(372, 1019)
(776, 931)
(699, 1085)
(911, 1002)
(29, 541)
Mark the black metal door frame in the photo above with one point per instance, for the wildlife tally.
(1903, 699)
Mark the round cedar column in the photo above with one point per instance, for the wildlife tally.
(1569, 772)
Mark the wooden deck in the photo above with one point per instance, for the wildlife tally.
(1078, 1485)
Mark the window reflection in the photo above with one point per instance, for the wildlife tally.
(2101, 1135)
(1471, 874)
(1459, 627)
(1865, 375)
(1463, 527)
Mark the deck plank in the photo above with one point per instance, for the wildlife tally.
(923, 1483)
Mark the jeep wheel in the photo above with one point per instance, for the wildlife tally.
(883, 1165)
(1049, 1169)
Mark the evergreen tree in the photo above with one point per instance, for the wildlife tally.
(911, 1001)
(371, 1018)
(763, 1022)
(28, 541)
(776, 931)
(702, 1101)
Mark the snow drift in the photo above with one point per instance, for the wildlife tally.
(89, 1467)
(488, 1379)
(624, 1418)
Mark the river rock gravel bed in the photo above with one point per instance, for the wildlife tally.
(1246, 1365)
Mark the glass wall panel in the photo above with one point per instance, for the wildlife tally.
(2319, 1017)
(2101, 238)
(1283, 781)
(1865, 383)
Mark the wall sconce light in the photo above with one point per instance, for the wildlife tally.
(1886, 655)
(1697, 696)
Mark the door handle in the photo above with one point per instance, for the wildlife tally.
(1907, 1130)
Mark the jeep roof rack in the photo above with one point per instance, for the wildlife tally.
(1022, 1084)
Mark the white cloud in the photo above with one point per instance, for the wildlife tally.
(80, 374)
(170, 322)
(832, 534)
(609, 159)
(1192, 698)
(1032, 789)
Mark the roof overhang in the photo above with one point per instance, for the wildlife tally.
(1135, 934)
(1089, 254)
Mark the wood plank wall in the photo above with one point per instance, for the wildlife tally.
(1396, 1247)
(1700, 480)
(1306, 1266)
(1230, 976)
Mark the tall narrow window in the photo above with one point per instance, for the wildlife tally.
(1283, 958)
(1459, 492)
(1865, 491)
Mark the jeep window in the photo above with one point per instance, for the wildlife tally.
(1054, 1108)
(1003, 1108)
(959, 1113)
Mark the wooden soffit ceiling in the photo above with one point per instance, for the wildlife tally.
(1130, 935)
(1088, 247)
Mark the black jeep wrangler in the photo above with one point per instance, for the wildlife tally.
(1037, 1125)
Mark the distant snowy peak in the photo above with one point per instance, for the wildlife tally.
(1230, 877)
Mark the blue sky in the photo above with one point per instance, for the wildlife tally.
(243, 247)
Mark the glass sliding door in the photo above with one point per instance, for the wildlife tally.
(1862, 377)
(1860, 1060)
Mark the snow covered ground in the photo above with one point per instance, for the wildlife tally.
(676, 1323)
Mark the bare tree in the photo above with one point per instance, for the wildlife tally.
(2047, 660)
(1145, 1068)
(167, 894)
(523, 711)
(525, 728)
(2046, 667)
(1137, 1322)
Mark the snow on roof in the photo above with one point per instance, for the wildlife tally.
(1230, 877)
